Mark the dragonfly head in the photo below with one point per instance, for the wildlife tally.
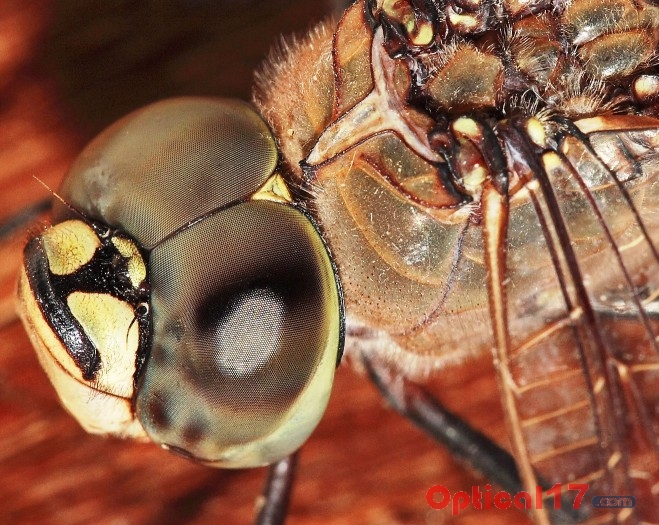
(182, 294)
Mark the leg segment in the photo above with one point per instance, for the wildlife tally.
(468, 445)
(277, 492)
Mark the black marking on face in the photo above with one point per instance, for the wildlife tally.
(106, 273)
(56, 311)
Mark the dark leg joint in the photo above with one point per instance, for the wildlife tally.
(277, 492)
(465, 443)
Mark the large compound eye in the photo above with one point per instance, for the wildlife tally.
(226, 353)
(246, 336)
(169, 164)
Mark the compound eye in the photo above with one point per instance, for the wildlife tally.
(216, 321)
(168, 164)
(79, 295)
(247, 320)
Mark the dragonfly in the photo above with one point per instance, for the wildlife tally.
(46, 456)
(466, 200)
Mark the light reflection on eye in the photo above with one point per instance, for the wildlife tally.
(252, 316)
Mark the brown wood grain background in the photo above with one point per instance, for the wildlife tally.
(67, 69)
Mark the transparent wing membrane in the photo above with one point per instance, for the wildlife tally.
(439, 184)
(583, 386)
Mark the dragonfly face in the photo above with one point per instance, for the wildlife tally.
(503, 210)
(180, 322)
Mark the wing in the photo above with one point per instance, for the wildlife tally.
(573, 281)
(404, 133)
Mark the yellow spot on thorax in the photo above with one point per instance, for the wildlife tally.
(536, 132)
(274, 189)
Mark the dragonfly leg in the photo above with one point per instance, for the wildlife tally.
(277, 492)
(465, 443)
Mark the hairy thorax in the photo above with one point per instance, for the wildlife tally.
(396, 122)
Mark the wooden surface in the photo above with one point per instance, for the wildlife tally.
(65, 73)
